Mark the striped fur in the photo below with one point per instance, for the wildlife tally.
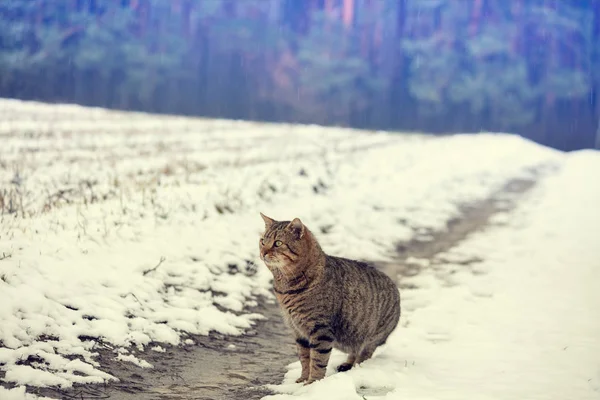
(328, 302)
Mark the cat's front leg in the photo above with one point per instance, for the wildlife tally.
(321, 342)
(303, 347)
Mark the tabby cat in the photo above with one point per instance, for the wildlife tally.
(327, 301)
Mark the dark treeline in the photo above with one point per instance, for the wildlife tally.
(526, 66)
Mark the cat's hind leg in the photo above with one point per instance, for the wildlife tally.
(366, 352)
(356, 357)
(348, 364)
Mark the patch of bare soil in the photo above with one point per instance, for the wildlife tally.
(224, 367)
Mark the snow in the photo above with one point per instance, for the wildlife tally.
(135, 230)
(521, 324)
(18, 394)
(134, 360)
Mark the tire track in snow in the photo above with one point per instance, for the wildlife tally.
(421, 251)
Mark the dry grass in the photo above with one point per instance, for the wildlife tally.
(57, 156)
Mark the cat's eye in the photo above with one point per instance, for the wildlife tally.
(278, 243)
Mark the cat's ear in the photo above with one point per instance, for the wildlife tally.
(268, 221)
(296, 227)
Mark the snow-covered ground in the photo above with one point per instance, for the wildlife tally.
(127, 230)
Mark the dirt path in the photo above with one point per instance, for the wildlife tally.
(475, 217)
(224, 367)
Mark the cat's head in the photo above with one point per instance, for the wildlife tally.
(285, 245)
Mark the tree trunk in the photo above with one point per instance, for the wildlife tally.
(348, 13)
(517, 15)
(475, 17)
(329, 7)
(595, 63)
(186, 12)
(399, 90)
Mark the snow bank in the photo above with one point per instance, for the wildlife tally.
(521, 324)
(18, 394)
(133, 229)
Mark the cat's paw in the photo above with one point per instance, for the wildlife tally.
(301, 379)
(344, 367)
(309, 381)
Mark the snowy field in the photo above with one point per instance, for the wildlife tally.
(125, 231)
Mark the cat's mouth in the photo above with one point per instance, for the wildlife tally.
(272, 261)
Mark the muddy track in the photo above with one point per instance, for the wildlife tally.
(474, 217)
(224, 367)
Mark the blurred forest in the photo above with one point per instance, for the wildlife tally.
(525, 66)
